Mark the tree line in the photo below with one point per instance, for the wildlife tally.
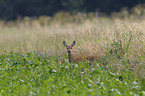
(11, 9)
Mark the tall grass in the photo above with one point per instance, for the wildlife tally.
(114, 41)
(24, 38)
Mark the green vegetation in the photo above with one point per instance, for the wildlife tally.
(36, 74)
(33, 60)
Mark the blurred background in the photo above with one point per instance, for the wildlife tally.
(38, 25)
(18, 9)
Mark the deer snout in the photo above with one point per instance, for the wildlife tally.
(68, 50)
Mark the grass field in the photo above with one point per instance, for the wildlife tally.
(33, 60)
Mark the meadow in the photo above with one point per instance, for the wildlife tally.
(34, 62)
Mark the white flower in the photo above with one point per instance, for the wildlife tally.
(118, 92)
(21, 80)
(53, 70)
(89, 85)
(76, 65)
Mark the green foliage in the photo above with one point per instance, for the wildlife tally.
(37, 74)
(10, 10)
(116, 49)
(137, 12)
(66, 17)
(72, 5)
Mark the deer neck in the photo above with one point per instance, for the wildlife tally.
(70, 57)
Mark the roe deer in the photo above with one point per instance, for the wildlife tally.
(71, 58)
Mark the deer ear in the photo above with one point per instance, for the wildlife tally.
(73, 43)
(64, 43)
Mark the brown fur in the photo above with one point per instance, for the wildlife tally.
(91, 58)
(71, 58)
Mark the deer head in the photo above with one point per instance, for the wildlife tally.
(69, 47)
